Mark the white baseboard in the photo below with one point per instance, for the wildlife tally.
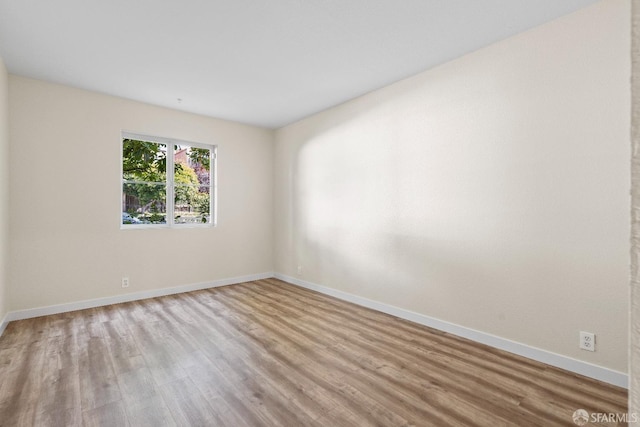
(99, 302)
(567, 363)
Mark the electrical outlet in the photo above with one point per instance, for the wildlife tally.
(125, 282)
(299, 270)
(587, 341)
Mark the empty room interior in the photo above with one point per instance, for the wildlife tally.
(316, 213)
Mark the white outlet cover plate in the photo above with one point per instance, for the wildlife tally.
(587, 341)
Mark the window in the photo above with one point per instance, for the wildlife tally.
(167, 182)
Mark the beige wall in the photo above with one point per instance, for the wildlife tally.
(66, 241)
(4, 187)
(634, 345)
(491, 192)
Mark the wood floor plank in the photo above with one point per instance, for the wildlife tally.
(268, 353)
(187, 405)
(150, 412)
(60, 381)
(109, 415)
(59, 417)
(21, 383)
(123, 350)
(137, 384)
(98, 383)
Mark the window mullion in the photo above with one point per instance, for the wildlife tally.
(170, 183)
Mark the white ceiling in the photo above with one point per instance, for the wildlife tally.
(264, 62)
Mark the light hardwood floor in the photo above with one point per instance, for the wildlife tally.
(268, 353)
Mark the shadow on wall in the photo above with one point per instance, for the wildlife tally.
(446, 227)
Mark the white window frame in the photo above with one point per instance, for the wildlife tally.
(170, 143)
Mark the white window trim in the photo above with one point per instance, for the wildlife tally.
(170, 220)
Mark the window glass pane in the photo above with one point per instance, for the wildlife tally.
(144, 161)
(144, 188)
(192, 204)
(197, 159)
(144, 203)
(192, 181)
